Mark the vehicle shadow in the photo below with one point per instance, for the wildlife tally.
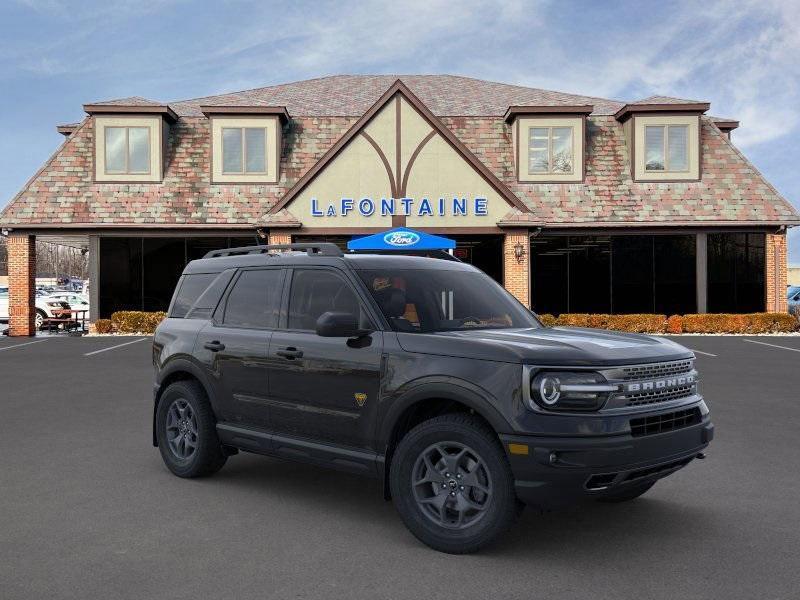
(589, 531)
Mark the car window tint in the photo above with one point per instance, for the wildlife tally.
(254, 300)
(191, 287)
(316, 291)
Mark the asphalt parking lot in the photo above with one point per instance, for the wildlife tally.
(87, 509)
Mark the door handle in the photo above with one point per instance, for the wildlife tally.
(214, 346)
(290, 353)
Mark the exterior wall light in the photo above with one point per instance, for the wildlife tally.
(519, 252)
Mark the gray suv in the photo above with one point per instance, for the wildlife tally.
(421, 372)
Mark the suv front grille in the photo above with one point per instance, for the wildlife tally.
(649, 373)
(656, 370)
(662, 423)
(641, 398)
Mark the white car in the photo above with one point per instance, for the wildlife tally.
(74, 299)
(47, 307)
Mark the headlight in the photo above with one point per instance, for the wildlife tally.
(58, 304)
(570, 390)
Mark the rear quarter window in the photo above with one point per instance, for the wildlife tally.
(189, 290)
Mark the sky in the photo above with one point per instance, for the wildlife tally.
(739, 55)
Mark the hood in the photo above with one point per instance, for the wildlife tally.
(565, 346)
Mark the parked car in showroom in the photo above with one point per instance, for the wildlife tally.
(422, 372)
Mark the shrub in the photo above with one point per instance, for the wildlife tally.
(547, 320)
(103, 326)
(706, 323)
(136, 321)
(674, 324)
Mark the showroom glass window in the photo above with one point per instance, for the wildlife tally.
(736, 265)
(244, 150)
(127, 150)
(666, 148)
(550, 150)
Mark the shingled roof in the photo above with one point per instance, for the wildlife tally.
(731, 191)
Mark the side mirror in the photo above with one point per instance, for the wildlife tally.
(339, 324)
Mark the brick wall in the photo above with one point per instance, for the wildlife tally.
(280, 236)
(776, 273)
(516, 274)
(21, 284)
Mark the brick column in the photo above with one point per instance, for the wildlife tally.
(21, 284)
(280, 236)
(775, 273)
(516, 273)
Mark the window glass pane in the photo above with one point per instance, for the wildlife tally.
(231, 150)
(538, 150)
(316, 291)
(675, 280)
(120, 265)
(163, 261)
(190, 289)
(255, 139)
(654, 148)
(736, 272)
(115, 149)
(589, 274)
(549, 275)
(562, 149)
(678, 140)
(415, 301)
(254, 299)
(138, 149)
(632, 274)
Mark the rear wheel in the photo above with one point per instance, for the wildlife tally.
(452, 485)
(628, 493)
(39, 318)
(186, 431)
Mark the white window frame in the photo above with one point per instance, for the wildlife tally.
(520, 133)
(272, 127)
(127, 129)
(550, 170)
(665, 148)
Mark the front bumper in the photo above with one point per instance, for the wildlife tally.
(558, 470)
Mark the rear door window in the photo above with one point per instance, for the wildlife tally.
(191, 286)
(254, 301)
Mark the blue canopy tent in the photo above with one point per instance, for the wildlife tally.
(401, 239)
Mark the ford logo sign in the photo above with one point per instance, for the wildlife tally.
(401, 238)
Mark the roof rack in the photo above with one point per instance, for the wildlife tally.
(321, 249)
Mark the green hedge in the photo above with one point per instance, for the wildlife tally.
(707, 323)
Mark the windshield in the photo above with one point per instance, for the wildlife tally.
(426, 301)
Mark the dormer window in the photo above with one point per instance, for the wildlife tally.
(127, 150)
(550, 150)
(548, 142)
(666, 148)
(244, 150)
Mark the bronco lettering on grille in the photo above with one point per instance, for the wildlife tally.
(658, 384)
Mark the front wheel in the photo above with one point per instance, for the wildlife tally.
(452, 485)
(186, 431)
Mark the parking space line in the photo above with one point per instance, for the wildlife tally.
(115, 347)
(772, 345)
(701, 352)
(20, 345)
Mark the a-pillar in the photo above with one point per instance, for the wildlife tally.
(776, 273)
(516, 264)
(21, 284)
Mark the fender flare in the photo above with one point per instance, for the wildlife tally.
(181, 365)
(447, 388)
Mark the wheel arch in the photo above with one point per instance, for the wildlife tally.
(180, 370)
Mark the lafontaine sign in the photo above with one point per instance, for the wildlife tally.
(422, 207)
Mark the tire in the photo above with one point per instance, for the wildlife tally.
(184, 411)
(453, 518)
(627, 494)
(39, 318)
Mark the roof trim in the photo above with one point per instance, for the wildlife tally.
(67, 130)
(580, 109)
(689, 107)
(398, 87)
(280, 111)
(131, 109)
(725, 124)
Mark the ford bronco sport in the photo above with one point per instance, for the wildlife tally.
(422, 372)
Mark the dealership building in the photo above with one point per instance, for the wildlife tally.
(573, 203)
